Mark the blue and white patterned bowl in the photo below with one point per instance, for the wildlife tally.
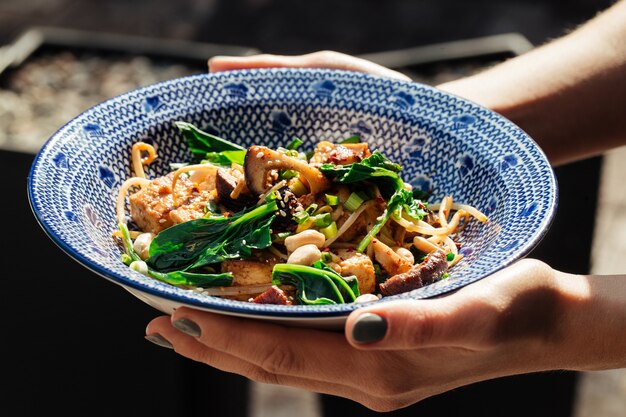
(446, 144)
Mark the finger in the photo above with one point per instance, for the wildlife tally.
(410, 324)
(280, 350)
(194, 349)
(321, 59)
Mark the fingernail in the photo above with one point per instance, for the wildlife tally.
(187, 326)
(369, 328)
(159, 340)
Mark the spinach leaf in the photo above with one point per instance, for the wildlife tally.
(316, 286)
(375, 168)
(348, 286)
(351, 139)
(225, 158)
(204, 145)
(206, 241)
(175, 277)
(380, 170)
(194, 279)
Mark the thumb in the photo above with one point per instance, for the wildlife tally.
(410, 324)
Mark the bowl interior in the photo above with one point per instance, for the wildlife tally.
(447, 146)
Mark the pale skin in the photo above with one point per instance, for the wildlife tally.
(570, 95)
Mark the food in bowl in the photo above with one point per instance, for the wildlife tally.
(333, 225)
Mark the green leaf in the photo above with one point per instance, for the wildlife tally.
(202, 143)
(375, 168)
(316, 284)
(351, 139)
(194, 279)
(207, 241)
(225, 158)
(400, 199)
(378, 169)
(348, 286)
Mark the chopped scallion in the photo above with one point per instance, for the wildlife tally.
(305, 225)
(330, 230)
(323, 220)
(324, 209)
(301, 217)
(311, 209)
(354, 201)
(279, 237)
(294, 144)
(297, 187)
(288, 174)
(332, 200)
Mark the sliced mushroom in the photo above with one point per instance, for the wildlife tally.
(260, 160)
(225, 184)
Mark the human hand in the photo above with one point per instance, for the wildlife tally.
(320, 59)
(396, 353)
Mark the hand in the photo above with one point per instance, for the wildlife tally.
(397, 353)
(321, 59)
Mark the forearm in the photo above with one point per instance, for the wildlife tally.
(569, 95)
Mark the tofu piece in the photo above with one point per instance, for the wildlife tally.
(356, 263)
(153, 208)
(249, 272)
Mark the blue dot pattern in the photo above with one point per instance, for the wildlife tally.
(445, 143)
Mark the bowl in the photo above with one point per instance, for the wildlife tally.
(447, 145)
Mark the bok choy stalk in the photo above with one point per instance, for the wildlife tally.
(175, 277)
(378, 169)
(317, 284)
(211, 240)
(210, 148)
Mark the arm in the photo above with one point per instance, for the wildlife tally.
(569, 95)
(525, 318)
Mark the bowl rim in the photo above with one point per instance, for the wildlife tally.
(275, 311)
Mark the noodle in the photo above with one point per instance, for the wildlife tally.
(349, 222)
(269, 233)
(139, 161)
(199, 167)
(121, 195)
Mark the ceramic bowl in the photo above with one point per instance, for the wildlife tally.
(446, 144)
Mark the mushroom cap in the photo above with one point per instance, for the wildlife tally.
(260, 160)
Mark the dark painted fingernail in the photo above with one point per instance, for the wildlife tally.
(369, 328)
(157, 339)
(187, 326)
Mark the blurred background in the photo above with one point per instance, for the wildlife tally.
(73, 343)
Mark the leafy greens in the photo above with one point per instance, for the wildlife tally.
(378, 169)
(175, 277)
(317, 284)
(205, 241)
(210, 148)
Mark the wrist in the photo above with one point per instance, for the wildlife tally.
(590, 332)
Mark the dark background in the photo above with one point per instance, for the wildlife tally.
(73, 343)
